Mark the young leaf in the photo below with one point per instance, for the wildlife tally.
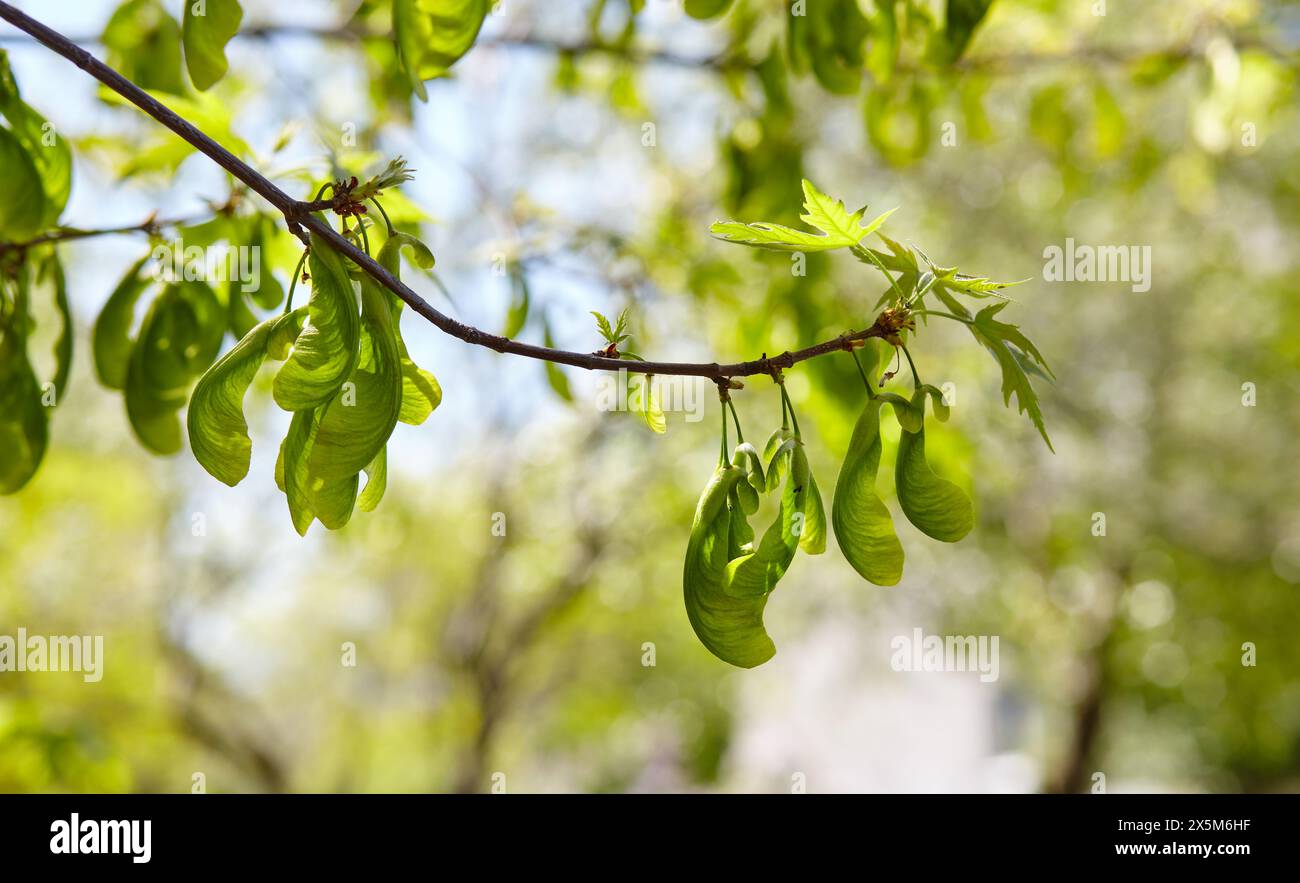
(23, 427)
(22, 197)
(207, 27)
(154, 388)
(706, 9)
(179, 338)
(603, 326)
(432, 35)
(517, 314)
(51, 271)
(838, 228)
(48, 151)
(144, 44)
(554, 376)
(1013, 351)
(648, 405)
(24, 431)
(960, 21)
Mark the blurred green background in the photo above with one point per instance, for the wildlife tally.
(520, 660)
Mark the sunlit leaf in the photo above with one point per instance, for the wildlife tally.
(111, 338)
(839, 228)
(208, 25)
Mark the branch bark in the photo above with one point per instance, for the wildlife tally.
(298, 216)
(149, 225)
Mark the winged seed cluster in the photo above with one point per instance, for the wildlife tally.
(728, 577)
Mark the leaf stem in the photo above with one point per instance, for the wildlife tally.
(391, 229)
(736, 418)
(943, 315)
(916, 378)
(871, 393)
(297, 274)
(863, 251)
(785, 397)
(722, 453)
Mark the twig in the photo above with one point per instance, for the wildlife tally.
(150, 225)
(298, 216)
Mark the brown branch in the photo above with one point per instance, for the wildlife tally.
(298, 216)
(1001, 63)
(150, 225)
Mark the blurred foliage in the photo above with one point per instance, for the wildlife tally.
(1167, 125)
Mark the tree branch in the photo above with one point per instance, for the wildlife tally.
(150, 225)
(298, 217)
(1000, 63)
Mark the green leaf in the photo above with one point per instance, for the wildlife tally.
(432, 35)
(326, 351)
(517, 314)
(731, 628)
(706, 9)
(48, 151)
(838, 228)
(963, 16)
(862, 524)
(217, 428)
(1013, 350)
(647, 404)
(111, 339)
(603, 326)
(178, 340)
(22, 196)
(554, 376)
(51, 271)
(152, 408)
(208, 25)
(23, 421)
(936, 506)
(144, 45)
(24, 432)
(258, 232)
(829, 38)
